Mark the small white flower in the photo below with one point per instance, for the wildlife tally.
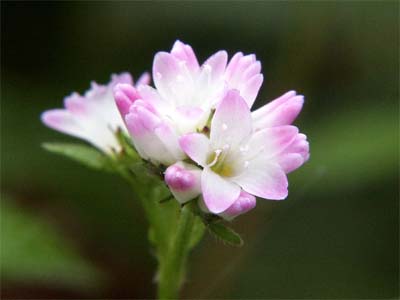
(186, 92)
(237, 158)
(93, 117)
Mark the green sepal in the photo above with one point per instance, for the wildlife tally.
(83, 154)
(128, 152)
(225, 234)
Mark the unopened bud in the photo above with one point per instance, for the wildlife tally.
(243, 204)
(184, 181)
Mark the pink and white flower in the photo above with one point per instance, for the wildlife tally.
(154, 137)
(238, 157)
(183, 99)
(94, 116)
(201, 112)
(186, 92)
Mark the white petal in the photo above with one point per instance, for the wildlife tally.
(231, 123)
(196, 146)
(264, 179)
(185, 53)
(217, 62)
(218, 192)
(172, 79)
(270, 142)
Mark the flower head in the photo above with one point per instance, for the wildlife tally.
(237, 158)
(183, 99)
(94, 116)
(186, 92)
(197, 127)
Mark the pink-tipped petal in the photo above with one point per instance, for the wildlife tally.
(196, 146)
(273, 104)
(62, 120)
(263, 179)
(290, 161)
(250, 89)
(301, 146)
(170, 140)
(218, 193)
(76, 104)
(124, 77)
(282, 111)
(270, 142)
(125, 95)
(144, 79)
(217, 63)
(151, 96)
(252, 70)
(166, 69)
(185, 53)
(296, 154)
(184, 181)
(243, 204)
(231, 123)
(94, 116)
(243, 74)
(231, 68)
(152, 137)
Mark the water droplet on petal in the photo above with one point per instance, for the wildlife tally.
(244, 148)
(224, 126)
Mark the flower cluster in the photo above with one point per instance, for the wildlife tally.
(196, 124)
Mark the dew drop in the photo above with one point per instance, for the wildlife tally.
(244, 148)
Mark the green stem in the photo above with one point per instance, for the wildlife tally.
(172, 267)
(172, 249)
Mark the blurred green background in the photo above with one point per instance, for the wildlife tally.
(69, 232)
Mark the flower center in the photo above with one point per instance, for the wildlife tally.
(218, 162)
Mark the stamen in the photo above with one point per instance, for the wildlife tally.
(217, 153)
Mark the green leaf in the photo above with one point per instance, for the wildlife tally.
(225, 234)
(83, 154)
(32, 250)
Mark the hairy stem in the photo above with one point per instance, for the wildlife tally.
(172, 267)
(172, 248)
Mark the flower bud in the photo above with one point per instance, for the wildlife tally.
(125, 95)
(243, 204)
(154, 138)
(184, 181)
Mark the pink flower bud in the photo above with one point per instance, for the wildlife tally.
(184, 181)
(154, 138)
(243, 204)
(124, 95)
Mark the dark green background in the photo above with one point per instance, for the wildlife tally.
(71, 232)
